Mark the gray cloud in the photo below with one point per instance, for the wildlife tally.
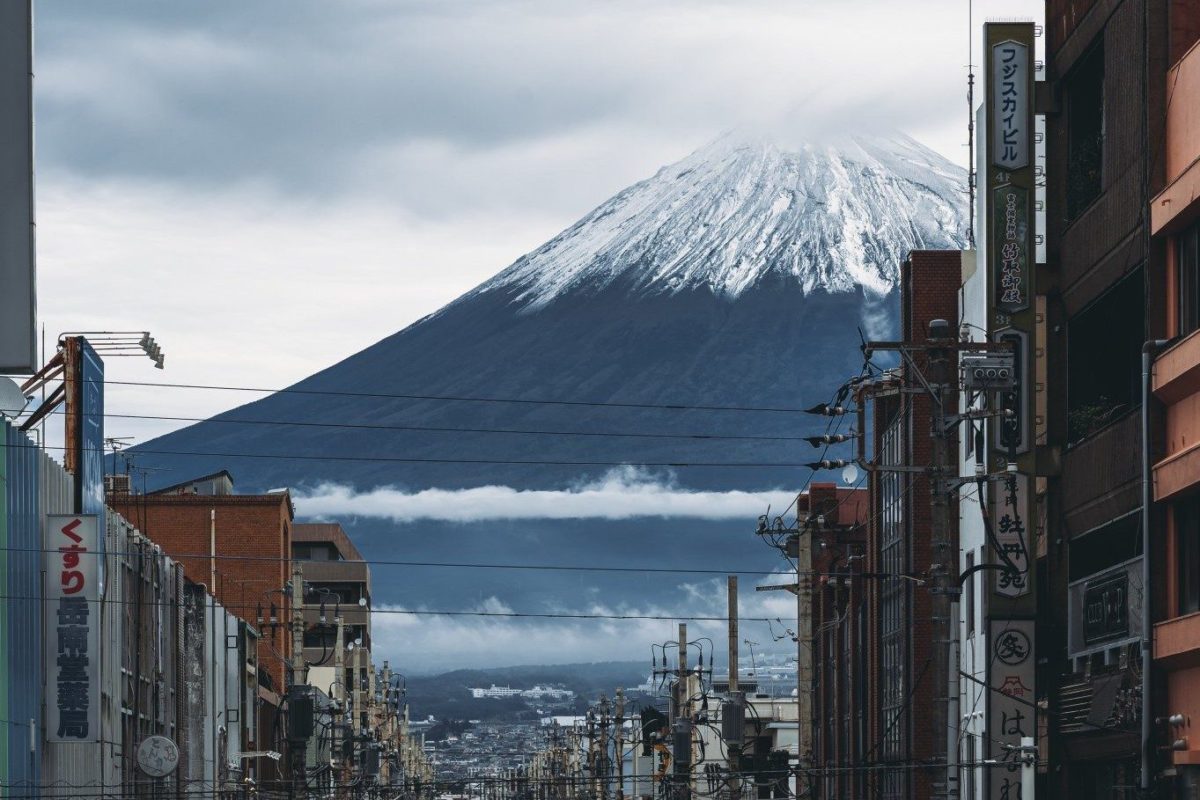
(437, 107)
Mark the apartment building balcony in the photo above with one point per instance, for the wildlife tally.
(1179, 202)
(1176, 383)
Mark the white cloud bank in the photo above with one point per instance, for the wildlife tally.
(622, 493)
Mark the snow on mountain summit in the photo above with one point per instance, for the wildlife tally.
(828, 216)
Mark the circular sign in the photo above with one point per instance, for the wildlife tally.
(1012, 647)
(158, 756)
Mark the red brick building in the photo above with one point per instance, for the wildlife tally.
(837, 518)
(251, 539)
(874, 610)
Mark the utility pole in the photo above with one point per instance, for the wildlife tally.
(339, 672)
(297, 625)
(732, 712)
(299, 731)
(944, 556)
(683, 725)
(804, 665)
(603, 752)
(620, 754)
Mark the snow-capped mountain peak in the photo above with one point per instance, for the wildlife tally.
(832, 216)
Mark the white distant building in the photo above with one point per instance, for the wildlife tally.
(538, 692)
(495, 692)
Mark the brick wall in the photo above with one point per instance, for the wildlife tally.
(930, 281)
(253, 546)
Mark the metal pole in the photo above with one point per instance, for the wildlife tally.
(733, 633)
(804, 636)
(1148, 350)
(943, 558)
(620, 744)
(603, 751)
(735, 750)
(1028, 768)
(683, 769)
(297, 747)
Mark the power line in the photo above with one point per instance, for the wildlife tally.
(462, 398)
(437, 613)
(447, 429)
(493, 461)
(455, 565)
(470, 565)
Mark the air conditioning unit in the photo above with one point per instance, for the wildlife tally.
(116, 484)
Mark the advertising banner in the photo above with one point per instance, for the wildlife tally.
(72, 627)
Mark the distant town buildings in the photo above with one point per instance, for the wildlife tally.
(538, 692)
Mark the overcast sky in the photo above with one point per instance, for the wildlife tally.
(271, 186)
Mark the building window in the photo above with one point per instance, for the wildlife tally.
(1085, 131)
(1104, 351)
(1189, 279)
(894, 621)
(1104, 548)
(1187, 553)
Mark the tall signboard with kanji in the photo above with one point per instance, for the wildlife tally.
(72, 627)
(84, 456)
(1008, 190)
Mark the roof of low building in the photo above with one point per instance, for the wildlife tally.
(326, 533)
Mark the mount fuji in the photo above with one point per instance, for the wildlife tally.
(740, 276)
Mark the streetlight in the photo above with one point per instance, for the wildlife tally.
(122, 343)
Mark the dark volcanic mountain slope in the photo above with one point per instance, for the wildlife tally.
(737, 277)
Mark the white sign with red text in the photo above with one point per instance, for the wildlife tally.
(72, 627)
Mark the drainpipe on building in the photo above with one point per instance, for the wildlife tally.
(1148, 351)
(212, 550)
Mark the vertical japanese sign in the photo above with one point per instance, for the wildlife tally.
(1011, 239)
(1010, 87)
(1007, 192)
(72, 627)
(1011, 120)
(1012, 534)
(85, 429)
(1012, 708)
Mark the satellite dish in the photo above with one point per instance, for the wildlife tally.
(849, 474)
(12, 401)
